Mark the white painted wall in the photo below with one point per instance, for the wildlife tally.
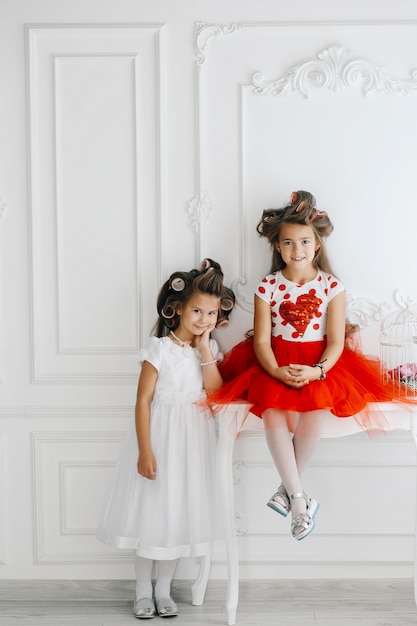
(135, 138)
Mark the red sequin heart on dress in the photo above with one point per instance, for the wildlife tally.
(300, 314)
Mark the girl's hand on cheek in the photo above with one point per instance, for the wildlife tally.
(203, 340)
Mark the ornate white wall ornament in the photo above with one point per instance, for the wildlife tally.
(362, 311)
(237, 468)
(240, 532)
(204, 32)
(404, 302)
(243, 302)
(199, 209)
(335, 68)
(200, 206)
(401, 324)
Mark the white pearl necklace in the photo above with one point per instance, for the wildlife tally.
(183, 344)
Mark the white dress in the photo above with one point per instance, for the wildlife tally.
(176, 514)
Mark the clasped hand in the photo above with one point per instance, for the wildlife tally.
(295, 376)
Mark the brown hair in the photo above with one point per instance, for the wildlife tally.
(181, 286)
(300, 210)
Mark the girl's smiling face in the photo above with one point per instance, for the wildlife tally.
(297, 245)
(199, 314)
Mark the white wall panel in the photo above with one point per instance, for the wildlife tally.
(3, 206)
(95, 107)
(3, 500)
(71, 475)
(324, 106)
(82, 493)
(96, 158)
(356, 528)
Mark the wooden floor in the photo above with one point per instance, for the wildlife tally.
(262, 603)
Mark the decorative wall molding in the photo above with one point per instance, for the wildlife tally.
(199, 209)
(238, 466)
(335, 68)
(46, 437)
(399, 436)
(84, 378)
(3, 207)
(50, 526)
(204, 32)
(62, 352)
(236, 284)
(200, 206)
(3, 204)
(67, 412)
(3, 503)
(363, 312)
(65, 468)
(401, 461)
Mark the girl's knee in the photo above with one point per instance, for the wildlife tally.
(274, 418)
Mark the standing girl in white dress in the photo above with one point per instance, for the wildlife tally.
(163, 502)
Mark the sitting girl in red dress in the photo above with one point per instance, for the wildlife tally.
(298, 365)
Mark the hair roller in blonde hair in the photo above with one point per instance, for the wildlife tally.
(301, 206)
(318, 214)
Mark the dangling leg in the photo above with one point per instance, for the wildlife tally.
(291, 455)
(280, 444)
(307, 438)
(165, 605)
(305, 441)
(144, 606)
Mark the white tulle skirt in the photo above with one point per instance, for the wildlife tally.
(177, 514)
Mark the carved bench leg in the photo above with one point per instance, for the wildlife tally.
(414, 433)
(225, 469)
(198, 589)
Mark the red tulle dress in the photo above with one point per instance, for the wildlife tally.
(299, 318)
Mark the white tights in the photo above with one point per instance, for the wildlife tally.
(292, 455)
(165, 574)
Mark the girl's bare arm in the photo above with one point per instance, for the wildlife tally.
(146, 387)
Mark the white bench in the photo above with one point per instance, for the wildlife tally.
(230, 426)
(369, 316)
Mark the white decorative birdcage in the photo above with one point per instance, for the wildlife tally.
(398, 340)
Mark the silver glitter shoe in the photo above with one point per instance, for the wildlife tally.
(280, 501)
(144, 608)
(304, 524)
(166, 607)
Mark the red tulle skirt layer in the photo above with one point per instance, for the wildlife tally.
(349, 386)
